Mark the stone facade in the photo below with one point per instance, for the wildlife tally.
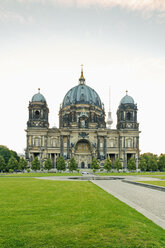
(82, 131)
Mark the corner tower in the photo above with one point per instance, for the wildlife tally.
(127, 113)
(38, 112)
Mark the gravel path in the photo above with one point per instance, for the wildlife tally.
(149, 202)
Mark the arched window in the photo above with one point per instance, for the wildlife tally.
(83, 147)
(129, 143)
(129, 116)
(111, 143)
(37, 114)
(37, 142)
(54, 142)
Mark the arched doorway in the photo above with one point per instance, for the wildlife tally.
(83, 153)
(82, 165)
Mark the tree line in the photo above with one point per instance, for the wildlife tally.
(61, 164)
(10, 161)
(147, 162)
(152, 162)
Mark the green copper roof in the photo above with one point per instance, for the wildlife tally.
(82, 94)
(38, 98)
(127, 99)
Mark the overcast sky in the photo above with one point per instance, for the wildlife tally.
(120, 42)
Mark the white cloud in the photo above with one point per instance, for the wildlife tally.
(142, 5)
(8, 16)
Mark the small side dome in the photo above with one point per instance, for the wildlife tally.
(38, 97)
(127, 99)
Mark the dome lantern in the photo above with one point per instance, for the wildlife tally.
(82, 79)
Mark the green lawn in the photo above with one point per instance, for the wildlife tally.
(38, 174)
(53, 214)
(159, 183)
(131, 174)
(161, 177)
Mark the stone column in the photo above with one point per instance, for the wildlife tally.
(124, 142)
(137, 143)
(68, 146)
(98, 147)
(27, 147)
(120, 146)
(125, 159)
(61, 145)
(105, 147)
(55, 160)
(45, 141)
(32, 141)
(42, 141)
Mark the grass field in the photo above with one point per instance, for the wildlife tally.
(158, 183)
(132, 174)
(160, 177)
(38, 174)
(54, 214)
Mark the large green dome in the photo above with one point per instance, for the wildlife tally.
(82, 94)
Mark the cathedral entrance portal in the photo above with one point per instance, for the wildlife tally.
(83, 153)
(82, 165)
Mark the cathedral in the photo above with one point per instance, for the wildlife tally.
(83, 132)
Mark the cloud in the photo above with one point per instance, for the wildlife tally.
(141, 5)
(10, 16)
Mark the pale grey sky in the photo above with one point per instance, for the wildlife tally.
(120, 43)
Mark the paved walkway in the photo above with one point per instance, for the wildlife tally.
(149, 202)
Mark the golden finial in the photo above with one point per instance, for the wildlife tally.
(82, 76)
(82, 79)
(38, 90)
(126, 92)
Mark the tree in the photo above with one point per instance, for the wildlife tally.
(48, 164)
(22, 165)
(12, 164)
(161, 162)
(72, 164)
(152, 164)
(61, 165)
(117, 164)
(2, 164)
(15, 155)
(7, 154)
(131, 164)
(108, 164)
(151, 161)
(35, 164)
(142, 164)
(95, 165)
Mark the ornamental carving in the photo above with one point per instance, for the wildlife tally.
(83, 135)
